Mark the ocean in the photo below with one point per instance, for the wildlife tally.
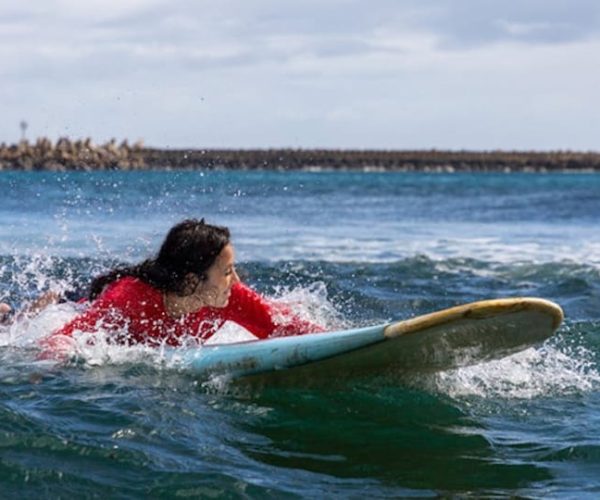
(345, 249)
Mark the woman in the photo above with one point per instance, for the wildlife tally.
(188, 291)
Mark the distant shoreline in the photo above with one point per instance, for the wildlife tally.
(84, 155)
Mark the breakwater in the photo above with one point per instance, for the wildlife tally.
(66, 154)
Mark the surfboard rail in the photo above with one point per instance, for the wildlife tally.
(476, 310)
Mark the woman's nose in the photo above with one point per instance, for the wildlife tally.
(236, 277)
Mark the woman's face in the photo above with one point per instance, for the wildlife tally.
(221, 276)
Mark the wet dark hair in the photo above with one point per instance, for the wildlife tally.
(191, 246)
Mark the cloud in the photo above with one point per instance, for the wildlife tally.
(386, 73)
(464, 23)
(79, 38)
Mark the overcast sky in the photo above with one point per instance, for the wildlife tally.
(394, 74)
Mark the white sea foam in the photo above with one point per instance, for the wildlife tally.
(495, 243)
(311, 303)
(27, 330)
(536, 372)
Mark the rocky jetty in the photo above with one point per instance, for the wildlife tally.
(374, 160)
(66, 154)
(85, 155)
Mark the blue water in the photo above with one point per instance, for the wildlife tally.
(344, 249)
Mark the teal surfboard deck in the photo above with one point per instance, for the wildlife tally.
(455, 337)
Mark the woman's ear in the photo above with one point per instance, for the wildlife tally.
(191, 283)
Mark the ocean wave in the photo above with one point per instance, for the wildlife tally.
(364, 291)
(497, 244)
(349, 294)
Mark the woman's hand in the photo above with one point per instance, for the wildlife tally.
(57, 347)
(5, 311)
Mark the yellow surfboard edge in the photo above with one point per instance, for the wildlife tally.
(477, 310)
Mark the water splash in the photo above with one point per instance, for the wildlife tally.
(312, 303)
(97, 349)
(554, 369)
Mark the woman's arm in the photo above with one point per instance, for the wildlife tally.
(7, 315)
(264, 318)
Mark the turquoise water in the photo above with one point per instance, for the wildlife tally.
(346, 249)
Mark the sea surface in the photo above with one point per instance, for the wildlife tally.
(345, 249)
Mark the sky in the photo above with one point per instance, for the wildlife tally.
(382, 74)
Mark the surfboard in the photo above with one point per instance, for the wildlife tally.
(460, 336)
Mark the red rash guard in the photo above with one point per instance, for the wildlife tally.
(136, 310)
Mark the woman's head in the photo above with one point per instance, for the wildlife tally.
(189, 250)
(192, 246)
